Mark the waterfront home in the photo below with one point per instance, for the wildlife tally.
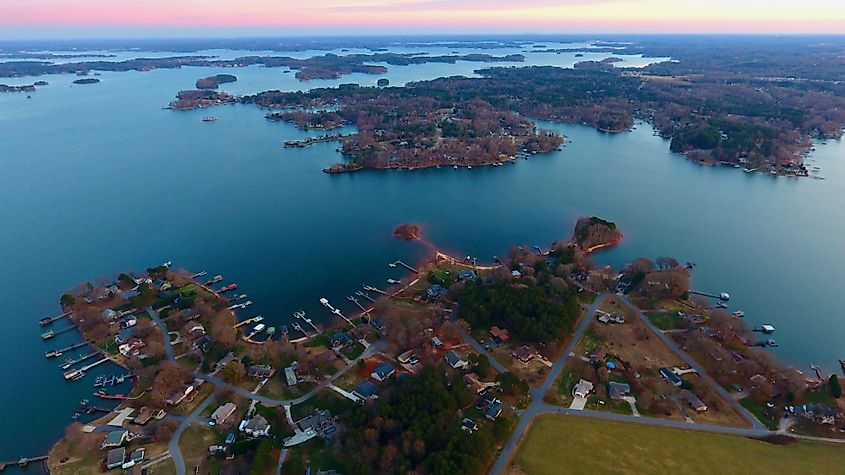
(500, 335)
(132, 347)
(179, 395)
(818, 413)
(618, 390)
(261, 371)
(124, 335)
(129, 294)
(456, 360)
(383, 372)
(341, 340)
(115, 439)
(366, 390)
(434, 292)
(379, 326)
(524, 353)
(694, 401)
(582, 389)
(223, 412)
(115, 458)
(257, 427)
(671, 377)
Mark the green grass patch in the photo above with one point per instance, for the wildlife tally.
(584, 445)
(665, 320)
(760, 411)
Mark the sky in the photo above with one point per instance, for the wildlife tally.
(167, 18)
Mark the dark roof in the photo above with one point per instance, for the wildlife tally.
(384, 370)
(618, 390)
(366, 389)
(116, 456)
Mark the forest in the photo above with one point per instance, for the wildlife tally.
(527, 311)
(416, 429)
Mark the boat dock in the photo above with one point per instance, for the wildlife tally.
(48, 320)
(370, 288)
(50, 333)
(60, 352)
(336, 311)
(67, 364)
(241, 305)
(23, 461)
(364, 295)
(255, 319)
(301, 315)
(400, 263)
(722, 296)
(199, 274)
(356, 302)
(79, 373)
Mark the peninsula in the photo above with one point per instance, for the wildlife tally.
(538, 333)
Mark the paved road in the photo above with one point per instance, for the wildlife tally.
(173, 445)
(477, 347)
(175, 453)
(755, 423)
(168, 348)
(538, 406)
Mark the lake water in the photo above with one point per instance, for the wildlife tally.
(99, 179)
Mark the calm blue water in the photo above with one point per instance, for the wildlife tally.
(99, 179)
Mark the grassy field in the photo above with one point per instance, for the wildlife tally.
(569, 444)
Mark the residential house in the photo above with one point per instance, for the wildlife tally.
(383, 372)
(469, 425)
(493, 410)
(144, 415)
(500, 335)
(456, 360)
(582, 389)
(257, 427)
(261, 371)
(434, 292)
(132, 347)
(618, 390)
(598, 355)
(671, 377)
(179, 395)
(366, 390)
(436, 342)
(203, 343)
(290, 374)
(137, 455)
(115, 458)
(694, 401)
(818, 413)
(223, 412)
(109, 315)
(115, 439)
(408, 357)
(320, 422)
(473, 383)
(379, 326)
(467, 275)
(124, 335)
(128, 321)
(524, 353)
(341, 340)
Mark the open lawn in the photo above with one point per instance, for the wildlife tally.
(569, 444)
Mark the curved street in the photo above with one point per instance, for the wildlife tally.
(538, 406)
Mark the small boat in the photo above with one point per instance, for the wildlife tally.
(724, 296)
(102, 394)
(469, 167)
(739, 314)
(771, 343)
(393, 281)
(271, 331)
(227, 288)
(765, 329)
(53, 354)
(455, 167)
(44, 321)
(47, 335)
(209, 119)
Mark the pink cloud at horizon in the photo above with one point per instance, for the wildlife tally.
(420, 16)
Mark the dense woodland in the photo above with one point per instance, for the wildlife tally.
(528, 311)
(416, 429)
